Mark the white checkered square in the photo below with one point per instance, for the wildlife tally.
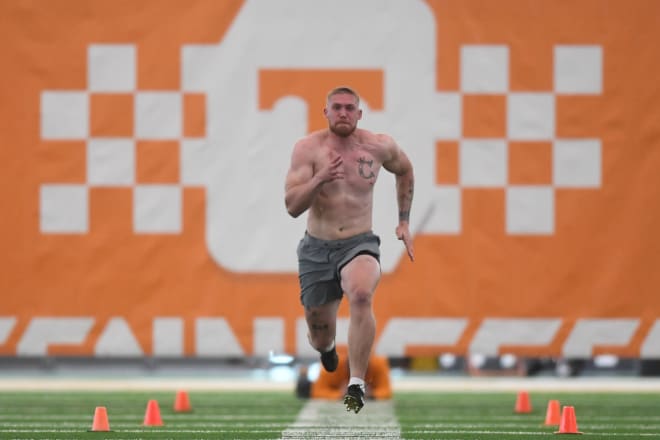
(530, 116)
(64, 115)
(110, 162)
(197, 160)
(447, 117)
(158, 115)
(530, 210)
(483, 163)
(445, 217)
(157, 209)
(576, 163)
(484, 69)
(111, 67)
(63, 209)
(578, 70)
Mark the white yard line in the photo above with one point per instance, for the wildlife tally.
(428, 383)
(508, 384)
(140, 384)
(324, 419)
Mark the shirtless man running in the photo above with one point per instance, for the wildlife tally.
(332, 175)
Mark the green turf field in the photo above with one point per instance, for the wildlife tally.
(270, 415)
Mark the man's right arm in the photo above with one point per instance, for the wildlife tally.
(303, 183)
(301, 186)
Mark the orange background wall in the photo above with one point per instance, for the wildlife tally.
(600, 262)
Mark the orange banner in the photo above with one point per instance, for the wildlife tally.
(145, 144)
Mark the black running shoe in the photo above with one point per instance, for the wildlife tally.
(330, 360)
(354, 398)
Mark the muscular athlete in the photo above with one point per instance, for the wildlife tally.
(332, 177)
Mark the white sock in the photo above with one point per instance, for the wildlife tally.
(330, 347)
(357, 381)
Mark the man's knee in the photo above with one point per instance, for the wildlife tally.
(320, 341)
(321, 329)
(360, 297)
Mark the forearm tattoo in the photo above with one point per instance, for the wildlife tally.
(405, 201)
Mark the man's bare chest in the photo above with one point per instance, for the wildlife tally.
(360, 170)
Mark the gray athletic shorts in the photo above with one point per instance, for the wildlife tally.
(320, 262)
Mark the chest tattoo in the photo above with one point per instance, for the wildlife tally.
(362, 163)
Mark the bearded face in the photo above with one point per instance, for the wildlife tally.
(342, 128)
(343, 114)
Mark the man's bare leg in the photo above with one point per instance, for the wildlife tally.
(322, 325)
(359, 280)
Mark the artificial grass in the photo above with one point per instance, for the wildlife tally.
(265, 415)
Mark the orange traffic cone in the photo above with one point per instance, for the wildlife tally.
(100, 422)
(552, 416)
(523, 404)
(568, 424)
(152, 415)
(182, 402)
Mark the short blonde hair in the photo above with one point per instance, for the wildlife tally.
(343, 89)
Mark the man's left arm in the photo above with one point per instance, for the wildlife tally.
(400, 165)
